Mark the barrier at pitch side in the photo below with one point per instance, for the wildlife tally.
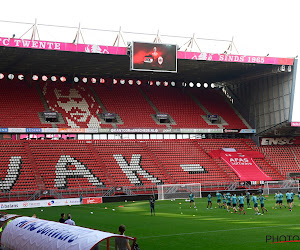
(28, 233)
(39, 203)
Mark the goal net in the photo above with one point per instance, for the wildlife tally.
(178, 191)
(272, 187)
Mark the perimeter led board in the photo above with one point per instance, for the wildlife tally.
(153, 57)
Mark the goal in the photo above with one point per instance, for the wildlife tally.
(271, 187)
(178, 191)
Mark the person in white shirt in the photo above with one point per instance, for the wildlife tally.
(69, 221)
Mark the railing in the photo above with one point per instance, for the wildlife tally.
(115, 191)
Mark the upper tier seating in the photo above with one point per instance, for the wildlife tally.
(216, 104)
(179, 105)
(20, 105)
(128, 102)
(76, 104)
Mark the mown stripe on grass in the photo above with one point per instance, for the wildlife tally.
(215, 231)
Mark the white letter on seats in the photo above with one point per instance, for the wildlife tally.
(13, 173)
(62, 173)
(134, 168)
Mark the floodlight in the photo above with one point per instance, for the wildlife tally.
(10, 76)
(138, 82)
(122, 81)
(198, 84)
(173, 84)
(21, 77)
(115, 81)
(93, 80)
(84, 80)
(53, 78)
(102, 80)
(157, 83)
(205, 85)
(130, 82)
(35, 77)
(76, 79)
(212, 85)
(150, 83)
(44, 78)
(191, 84)
(166, 83)
(1, 76)
(63, 79)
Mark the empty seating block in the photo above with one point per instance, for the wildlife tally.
(174, 154)
(123, 156)
(70, 159)
(20, 105)
(129, 104)
(16, 173)
(185, 112)
(216, 104)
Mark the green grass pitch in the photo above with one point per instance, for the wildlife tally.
(176, 226)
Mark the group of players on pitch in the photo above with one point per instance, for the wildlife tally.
(228, 201)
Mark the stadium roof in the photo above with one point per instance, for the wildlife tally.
(26, 61)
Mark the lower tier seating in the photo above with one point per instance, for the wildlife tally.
(107, 164)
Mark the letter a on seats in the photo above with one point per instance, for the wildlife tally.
(62, 173)
(12, 175)
(134, 168)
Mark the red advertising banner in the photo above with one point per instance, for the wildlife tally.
(92, 200)
(244, 166)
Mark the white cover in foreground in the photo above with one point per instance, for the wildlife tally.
(29, 233)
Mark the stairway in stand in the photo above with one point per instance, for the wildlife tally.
(39, 181)
(108, 176)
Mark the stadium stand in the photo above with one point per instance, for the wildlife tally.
(128, 102)
(122, 153)
(115, 162)
(77, 105)
(173, 154)
(20, 105)
(283, 158)
(238, 144)
(79, 108)
(73, 155)
(215, 103)
(179, 106)
(16, 170)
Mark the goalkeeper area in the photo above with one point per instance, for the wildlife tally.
(176, 226)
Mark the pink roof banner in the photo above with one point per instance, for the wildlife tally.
(202, 56)
(46, 45)
(100, 49)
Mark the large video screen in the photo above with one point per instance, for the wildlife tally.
(154, 57)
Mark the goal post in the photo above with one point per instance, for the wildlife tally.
(178, 191)
(271, 187)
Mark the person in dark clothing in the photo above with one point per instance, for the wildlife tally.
(62, 218)
(152, 203)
